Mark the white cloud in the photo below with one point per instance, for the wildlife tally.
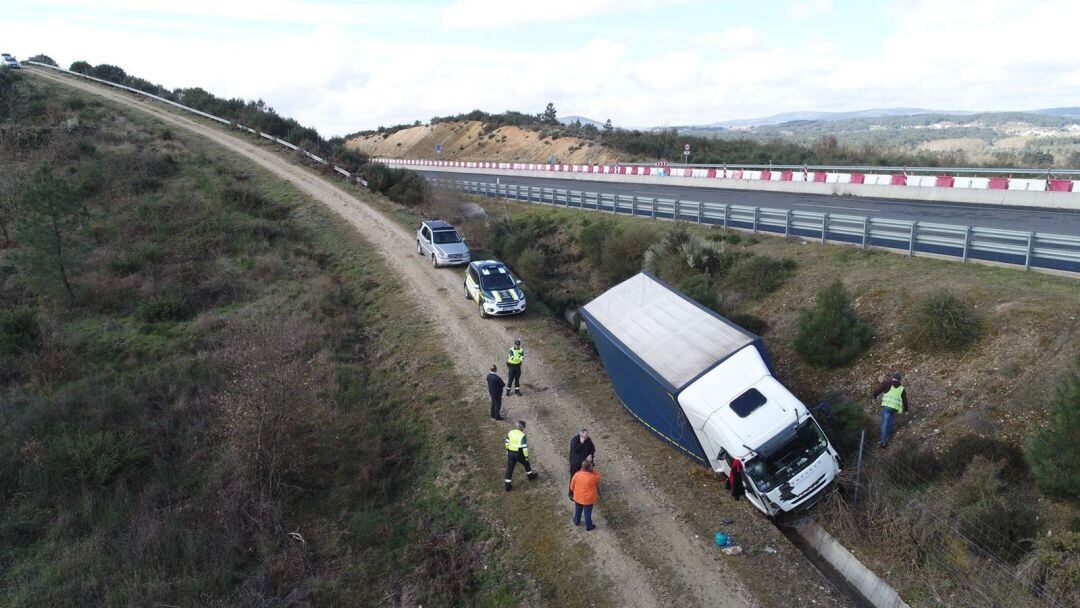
(340, 78)
(282, 11)
(493, 13)
(800, 9)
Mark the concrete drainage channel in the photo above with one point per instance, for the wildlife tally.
(837, 565)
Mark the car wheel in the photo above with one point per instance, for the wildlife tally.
(483, 314)
(419, 251)
(434, 261)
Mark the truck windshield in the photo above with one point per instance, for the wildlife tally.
(443, 237)
(767, 472)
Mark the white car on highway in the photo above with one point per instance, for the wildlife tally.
(437, 240)
(494, 289)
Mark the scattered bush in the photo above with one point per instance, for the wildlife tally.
(831, 333)
(592, 236)
(1054, 566)
(532, 264)
(844, 424)
(19, 331)
(623, 252)
(700, 288)
(1054, 452)
(941, 322)
(968, 447)
(750, 323)
(997, 517)
(95, 457)
(162, 308)
(757, 275)
(399, 185)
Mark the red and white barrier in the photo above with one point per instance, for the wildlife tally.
(714, 173)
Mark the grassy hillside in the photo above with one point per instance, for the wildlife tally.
(209, 393)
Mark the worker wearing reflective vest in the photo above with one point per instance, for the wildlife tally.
(517, 450)
(893, 402)
(513, 365)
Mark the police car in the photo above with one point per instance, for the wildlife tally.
(494, 288)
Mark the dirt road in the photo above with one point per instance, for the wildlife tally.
(651, 557)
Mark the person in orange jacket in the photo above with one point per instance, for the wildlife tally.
(584, 485)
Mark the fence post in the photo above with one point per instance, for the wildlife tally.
(824, 226)
(675, 214)
(1027, 257)
(633, 206)
(725, 215)
(967, 240)
(756, 210)
(911, 239)
(787, 222)
(858, 466)
(865, 231)
(699, 206)
(652, 208)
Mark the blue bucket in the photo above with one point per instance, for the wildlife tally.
(722, 540)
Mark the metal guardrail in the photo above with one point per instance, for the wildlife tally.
(1021, 248)
(218, 119)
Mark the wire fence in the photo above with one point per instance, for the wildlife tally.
(955, 569)
(1014, 247)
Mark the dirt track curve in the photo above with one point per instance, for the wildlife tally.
(691, 575)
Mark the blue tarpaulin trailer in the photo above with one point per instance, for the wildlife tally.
(706, 386)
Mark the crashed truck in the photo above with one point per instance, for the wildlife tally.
(706, 386)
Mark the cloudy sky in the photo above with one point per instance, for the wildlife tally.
(344, 66)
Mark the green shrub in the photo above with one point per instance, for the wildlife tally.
(19, 331)
(831, 333)
(969, 446)
(591, 238)
(844, 426)
(1054, 451)
(700, 288)
(997, 518)
(623, 253)
(95, 457)
(1054, 565)
(758, 275)
(941, 322)
(162, 308)
(750, 323)
(532, 264)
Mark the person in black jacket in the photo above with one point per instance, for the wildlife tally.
(581, 449)
(495, 387)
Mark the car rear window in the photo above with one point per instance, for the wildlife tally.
(746, 403)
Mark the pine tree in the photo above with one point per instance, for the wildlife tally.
(548, 117)
(50, 218)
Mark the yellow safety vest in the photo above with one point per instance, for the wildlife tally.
(515, 440)
(894, 399)
(517, 355)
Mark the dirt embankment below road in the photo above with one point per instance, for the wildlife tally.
(469, 140)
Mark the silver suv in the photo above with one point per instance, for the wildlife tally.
(8, 61)
(438, 241)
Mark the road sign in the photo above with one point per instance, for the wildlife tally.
(686, 148)
(551, 159)
(438, 148)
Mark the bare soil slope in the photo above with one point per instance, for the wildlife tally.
(469, 141)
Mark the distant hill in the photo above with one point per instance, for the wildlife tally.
(776, 119)
(568, 120)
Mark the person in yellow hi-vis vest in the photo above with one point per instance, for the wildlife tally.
(517, 450)
(513, 367)
(893, 402)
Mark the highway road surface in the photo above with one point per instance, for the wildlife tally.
(961, 214)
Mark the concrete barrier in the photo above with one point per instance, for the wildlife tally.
(876, 591)
(1009, 198)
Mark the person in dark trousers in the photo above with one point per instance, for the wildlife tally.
(495, 386)
(513, 367)
(735, 481)
(893, 402)
(585, 491)
(581, 449)
(517, 450)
